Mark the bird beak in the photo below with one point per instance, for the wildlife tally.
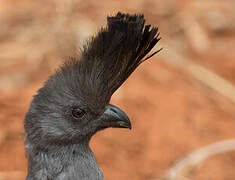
(115, 117)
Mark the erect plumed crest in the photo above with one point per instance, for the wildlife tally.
(110, 57)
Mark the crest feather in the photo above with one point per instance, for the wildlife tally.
(110, 57)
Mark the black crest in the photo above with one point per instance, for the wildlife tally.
(110, 57)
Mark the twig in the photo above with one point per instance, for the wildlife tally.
(192, 161)
(200, 73)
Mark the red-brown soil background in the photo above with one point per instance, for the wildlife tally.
(172, 113)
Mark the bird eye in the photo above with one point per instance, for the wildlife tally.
(77, 112)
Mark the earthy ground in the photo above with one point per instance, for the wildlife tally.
(173, 113)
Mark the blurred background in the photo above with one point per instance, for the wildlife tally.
(179, 101)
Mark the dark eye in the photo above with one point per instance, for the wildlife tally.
(77, 112)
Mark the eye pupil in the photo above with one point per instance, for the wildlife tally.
(77, 112)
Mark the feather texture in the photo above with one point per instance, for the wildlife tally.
(111, 56)
(119, 49)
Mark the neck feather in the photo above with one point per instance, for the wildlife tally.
(63, 161)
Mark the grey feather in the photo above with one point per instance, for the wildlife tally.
(74, 104)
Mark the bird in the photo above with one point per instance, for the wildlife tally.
(74, 103)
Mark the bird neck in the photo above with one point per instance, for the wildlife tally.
(58, 160)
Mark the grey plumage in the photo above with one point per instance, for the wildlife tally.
(74, 103)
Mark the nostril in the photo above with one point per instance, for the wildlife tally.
(114, 110)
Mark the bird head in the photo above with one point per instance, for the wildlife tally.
(74, 103)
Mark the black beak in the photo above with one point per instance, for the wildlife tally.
(115, 117)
